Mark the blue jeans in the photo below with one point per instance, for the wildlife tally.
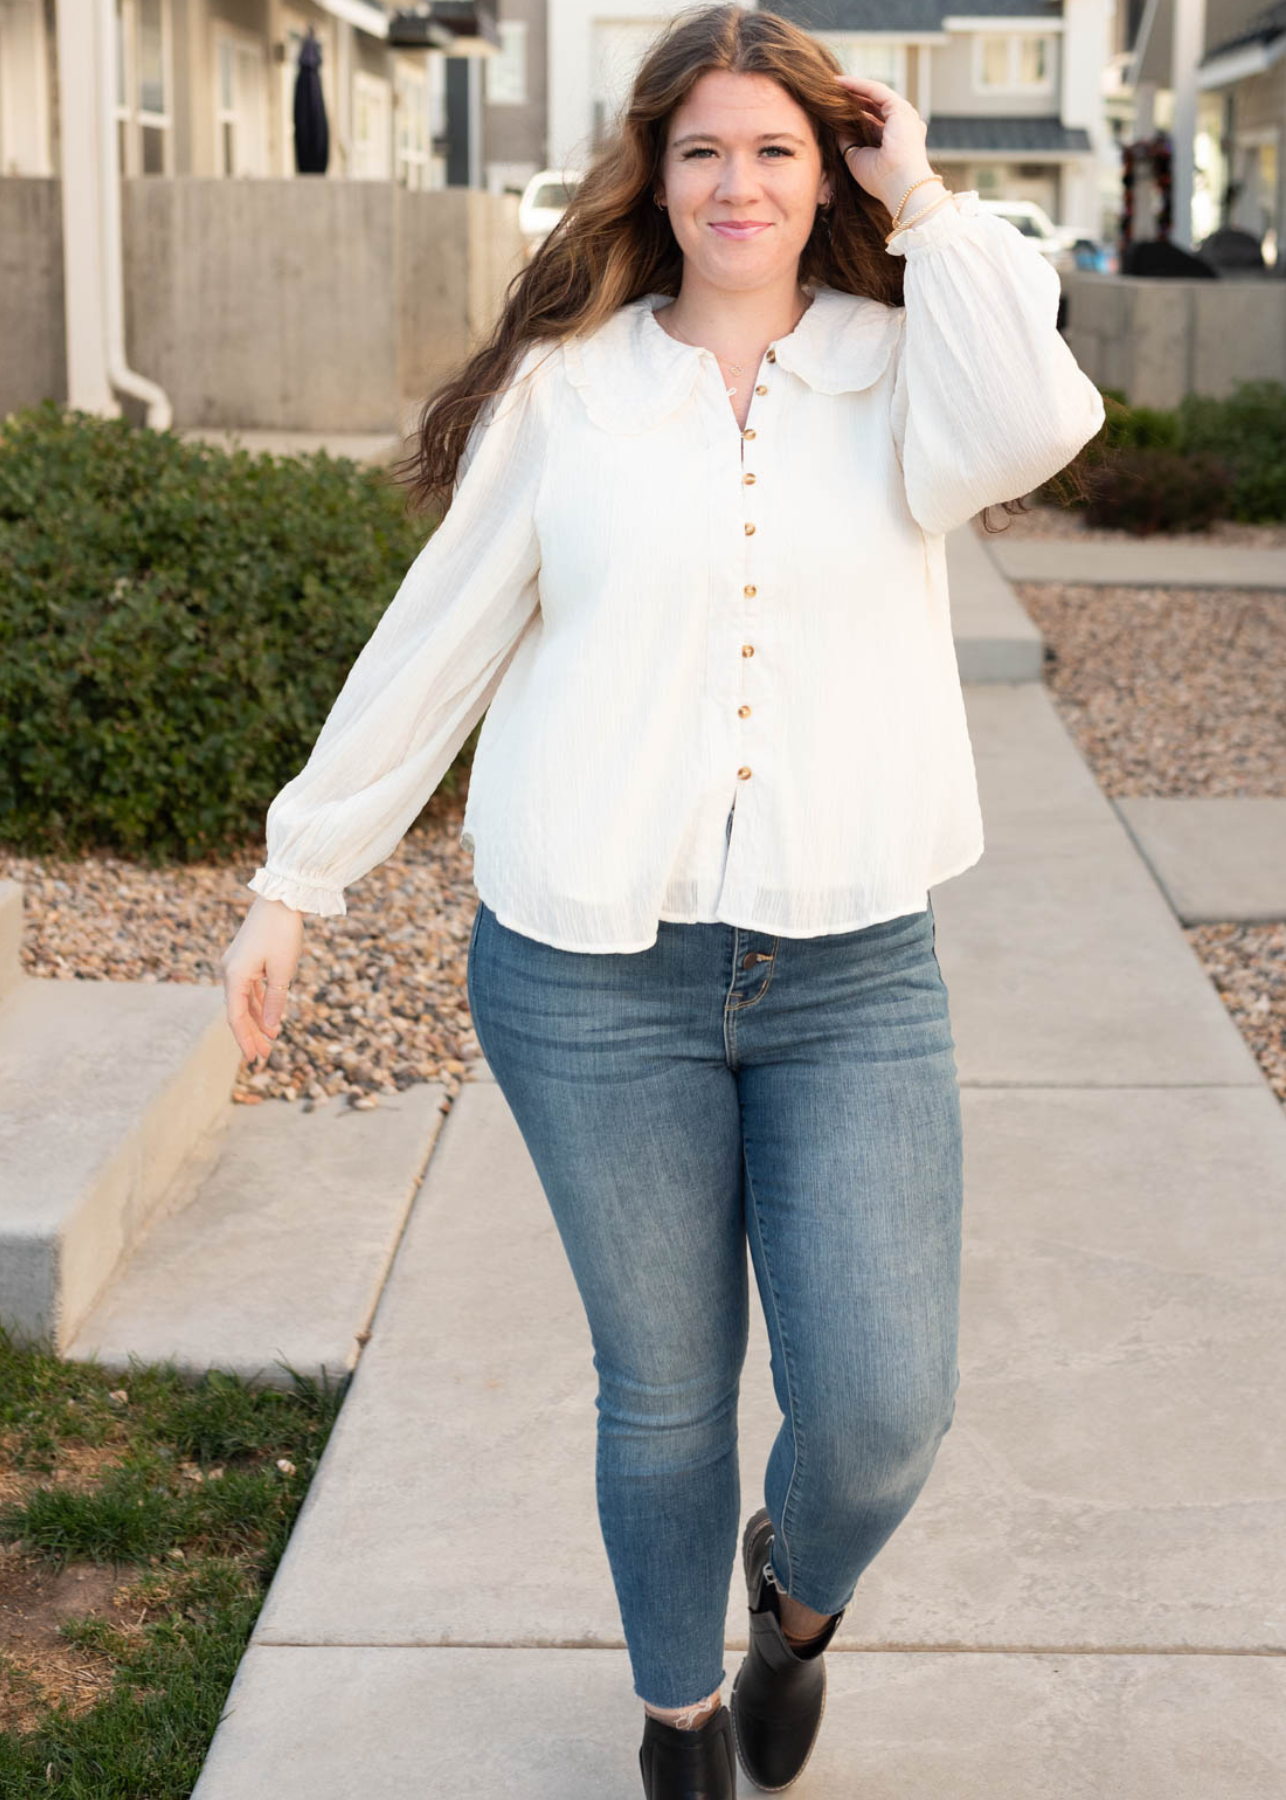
(723, 1086)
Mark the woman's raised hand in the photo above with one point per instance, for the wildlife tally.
(886, 169)
(258, 966)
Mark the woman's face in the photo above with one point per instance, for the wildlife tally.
(740, 151)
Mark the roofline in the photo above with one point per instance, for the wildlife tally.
(1224, 67)
(999, 22)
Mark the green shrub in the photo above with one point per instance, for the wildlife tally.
(1248, 432)
(175, 623)
(1245, 434)
(1147, 490)
(1142, 428)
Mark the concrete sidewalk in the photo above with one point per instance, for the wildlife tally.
(1185, 561)
(1089, 1597)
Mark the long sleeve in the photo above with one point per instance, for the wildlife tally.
(428, 671)
(988, 400)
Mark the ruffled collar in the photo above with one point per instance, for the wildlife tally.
(631, 374)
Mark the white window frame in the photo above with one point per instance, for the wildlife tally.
(131, 118)
(853, 49)
(1013, 84)
(243, 41)
(505, 74)
(24, 90)
(379, 90)
(411, 121)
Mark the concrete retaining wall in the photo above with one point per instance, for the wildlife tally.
(33, 332)
(291, 305)
(1160, 340)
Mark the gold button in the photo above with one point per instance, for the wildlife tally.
(761, 389)
(749, 432)
(749, 480)
(750, 530)
(772, 356)
(750, 589)
(747, 649)
(743, 712)
(744, 774)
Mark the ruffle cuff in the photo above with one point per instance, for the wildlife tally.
(304, 896)
(946, 221)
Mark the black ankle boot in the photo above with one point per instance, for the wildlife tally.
(779, 1695)
(689, 1765)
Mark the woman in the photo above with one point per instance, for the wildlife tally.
(694, 564)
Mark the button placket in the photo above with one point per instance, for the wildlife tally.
(750, 589)
(748, 434)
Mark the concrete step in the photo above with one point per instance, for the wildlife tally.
(278, 1257)
(107, 1090)
(1216, 858)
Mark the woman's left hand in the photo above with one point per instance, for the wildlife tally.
(885, 170)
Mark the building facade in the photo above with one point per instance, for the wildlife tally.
(1012, 90)
(206, 87)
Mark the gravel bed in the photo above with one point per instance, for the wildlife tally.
(1065, 522)
(378, 999)
(1181, 692)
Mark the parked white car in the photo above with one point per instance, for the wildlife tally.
(543, 203)
(1054, 241)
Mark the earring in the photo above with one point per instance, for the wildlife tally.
(660, 203)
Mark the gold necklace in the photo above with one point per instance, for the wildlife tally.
(723, 361)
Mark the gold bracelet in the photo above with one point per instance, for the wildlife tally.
(914, 185)
(922, 214)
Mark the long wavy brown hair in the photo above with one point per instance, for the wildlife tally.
(613, 244)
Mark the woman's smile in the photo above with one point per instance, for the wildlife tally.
(739, 228)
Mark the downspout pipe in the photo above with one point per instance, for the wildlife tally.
(160, 414)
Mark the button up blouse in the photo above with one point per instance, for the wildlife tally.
(665, 617)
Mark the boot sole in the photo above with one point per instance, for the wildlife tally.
(758, 1526)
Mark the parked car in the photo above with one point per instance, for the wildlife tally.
(1054, 241)
(543, 203)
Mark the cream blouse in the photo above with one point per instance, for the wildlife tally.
(668, 616)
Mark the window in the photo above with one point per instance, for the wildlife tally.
(241, 137)
(372, 128)
(144, 124)
(506, 72)
(24, 90)
(412, 127)
(1033, 66)
(1011, 62)
(880, 58)
(995, 61)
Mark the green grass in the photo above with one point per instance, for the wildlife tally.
(186, 1483)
